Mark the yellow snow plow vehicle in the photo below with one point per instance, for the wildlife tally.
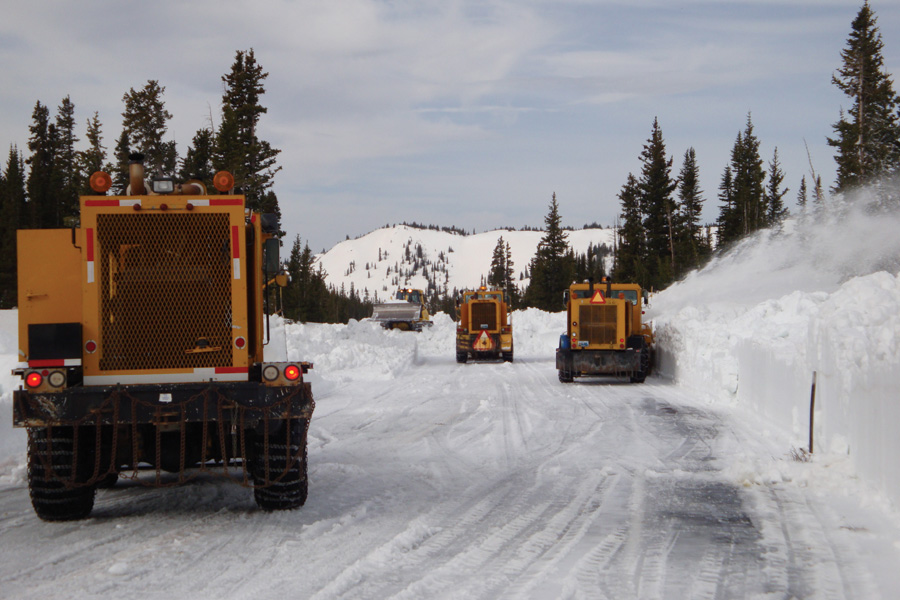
(605, 334)
(406, 311)
(484, 330)
(141, 334)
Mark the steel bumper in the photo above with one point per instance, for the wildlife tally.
(598, 362)
(156, 404)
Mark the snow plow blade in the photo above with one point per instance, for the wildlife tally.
(398, 311)
(400, 315)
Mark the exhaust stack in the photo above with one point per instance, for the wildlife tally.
(136, 174)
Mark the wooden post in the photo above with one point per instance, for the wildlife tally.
(812, 412)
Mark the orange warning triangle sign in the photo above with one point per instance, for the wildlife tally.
(598, 298)
(483, 342)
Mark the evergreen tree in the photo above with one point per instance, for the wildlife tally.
(728, 223)
(145, 122)
(777, 212)
(497, 272)
(12, 205)
(802, 195)
(306, 296)
(691, 246)
(552, 268)
(198, 158)
(631, 246)
(509, 282)
(41, 207)
(118, 169)
(91, 160)
(656, 186)
(68, 178)
(819, 194)
(866, 136)
(744, 210)
(238, 147)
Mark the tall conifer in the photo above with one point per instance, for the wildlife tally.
(866, 134)
(552, 268)
(92, 159)
(690, 206)
(776, 211)
(145, 121)
(41, 209)
(656, 186)
(68, 176)
(12, 205)
(238, 147)
(631, 249)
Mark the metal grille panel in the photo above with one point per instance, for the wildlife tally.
(484, 313)
(165, 291)
(597, 323)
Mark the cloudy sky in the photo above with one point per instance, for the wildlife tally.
(454, 112)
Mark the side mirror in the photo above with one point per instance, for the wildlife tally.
(271, 259)
(566, 297)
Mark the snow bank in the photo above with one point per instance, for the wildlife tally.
(754, 325)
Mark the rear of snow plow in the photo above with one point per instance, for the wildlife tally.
(142, 334)
(484, 330)
(405, 312)
(605, 334)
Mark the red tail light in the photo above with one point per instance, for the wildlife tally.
(34, 379)
(292, 372)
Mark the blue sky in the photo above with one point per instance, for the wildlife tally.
(465, 113)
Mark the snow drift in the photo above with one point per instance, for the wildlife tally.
(822, 296)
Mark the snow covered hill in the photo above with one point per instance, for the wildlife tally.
(402, 256)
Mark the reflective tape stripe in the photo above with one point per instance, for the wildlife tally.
(54, 362)
(198, 375)
(108, 203)
(89, 233)
(236, 251)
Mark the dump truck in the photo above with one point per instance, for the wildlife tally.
(141, 341)
(605, 333)
(406, 311)
(484, 330)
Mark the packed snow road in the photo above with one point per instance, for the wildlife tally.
(430, 479)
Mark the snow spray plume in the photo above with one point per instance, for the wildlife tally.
(853, 234)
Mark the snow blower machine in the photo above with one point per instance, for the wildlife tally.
(406, 311)
(484, 330)
(605, 333)
(141, 336)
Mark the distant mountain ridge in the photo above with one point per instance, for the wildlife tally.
(439, 261)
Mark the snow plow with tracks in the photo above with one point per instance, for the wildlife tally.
(142, 333)
(406, 311)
